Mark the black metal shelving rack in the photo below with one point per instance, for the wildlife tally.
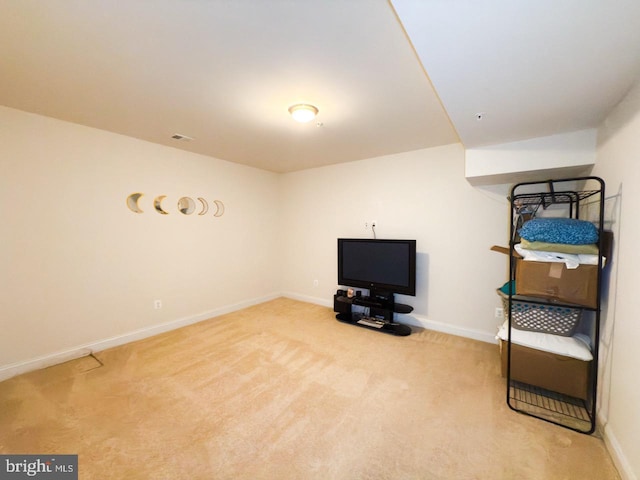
(527, 199)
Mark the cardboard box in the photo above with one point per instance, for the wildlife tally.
(554, 281)
(550, 371)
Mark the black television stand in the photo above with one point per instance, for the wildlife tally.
(380, 317)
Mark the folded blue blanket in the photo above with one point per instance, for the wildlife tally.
(560, 230)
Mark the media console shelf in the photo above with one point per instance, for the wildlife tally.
(380, 314)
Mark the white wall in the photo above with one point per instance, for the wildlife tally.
(617, 164)
(556, 156)
(77, 267)
(420, 195)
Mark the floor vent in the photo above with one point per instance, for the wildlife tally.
(178, 136)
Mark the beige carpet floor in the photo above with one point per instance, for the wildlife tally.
(282, 390)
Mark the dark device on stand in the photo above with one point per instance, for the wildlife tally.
(384, 267)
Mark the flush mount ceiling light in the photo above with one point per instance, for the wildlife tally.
(303, 113)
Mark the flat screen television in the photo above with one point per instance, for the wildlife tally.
(384, 267)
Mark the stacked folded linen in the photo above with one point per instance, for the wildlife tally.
(565, 240)
(572, 261)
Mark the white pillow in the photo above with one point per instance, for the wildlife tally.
(578, 346)
(569, 259)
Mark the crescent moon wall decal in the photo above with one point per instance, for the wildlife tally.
(205, 206)
(219, 208)
(157, 203)
(132, 202)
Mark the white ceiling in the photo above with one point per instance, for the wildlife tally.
(225, 72)
(533, 67)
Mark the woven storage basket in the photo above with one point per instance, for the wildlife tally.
(536, 317)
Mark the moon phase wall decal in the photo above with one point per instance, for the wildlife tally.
(186, 205)
(132, 202)
(157, 203)
(205, 206)
(219, 208)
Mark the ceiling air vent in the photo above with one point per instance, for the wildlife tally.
(178, 136)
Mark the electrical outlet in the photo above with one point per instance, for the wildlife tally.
(157, 304)
(315, 283)
(499, 312)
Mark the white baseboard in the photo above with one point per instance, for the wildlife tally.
(18, 368)
(420, 321)
(304, 298)
(617, 455)
(414, 320)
